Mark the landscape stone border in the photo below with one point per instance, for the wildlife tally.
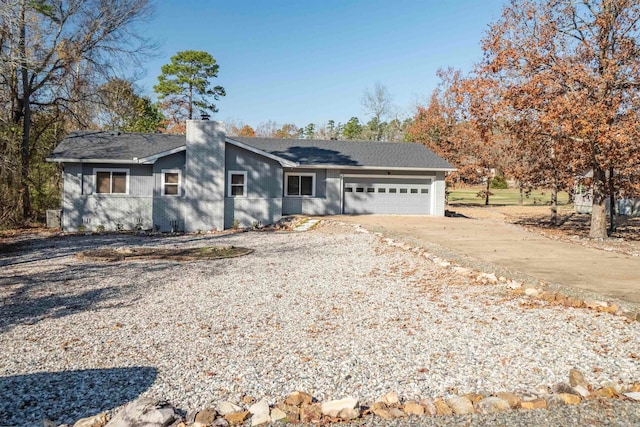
(301, 407)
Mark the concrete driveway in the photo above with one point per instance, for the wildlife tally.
(518, 251)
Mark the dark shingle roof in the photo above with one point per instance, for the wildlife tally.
(349, 153)
(115, 145)
(120, 146)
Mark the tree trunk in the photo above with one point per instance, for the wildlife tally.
(521, 199)
(486, 194)
(554, 202)
(190, 102)
(26, 117)
(598, 228)
(612, 203)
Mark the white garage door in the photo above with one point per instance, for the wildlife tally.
(387, 196)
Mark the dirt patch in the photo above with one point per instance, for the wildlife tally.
(573, 227)
(187, 254)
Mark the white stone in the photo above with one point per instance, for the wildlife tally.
(531, 292)
(512, 284)
(333, 407)
(225, 408)
(582, 390)
(635, 395)
(278, 414)
(260, 413)
(390, 398)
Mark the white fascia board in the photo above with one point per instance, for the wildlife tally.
(385, 168)
(149, 160)
(116, 161)
(283, 162)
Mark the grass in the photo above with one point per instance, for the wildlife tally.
(506, 197)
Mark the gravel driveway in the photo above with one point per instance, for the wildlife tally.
(331, 311)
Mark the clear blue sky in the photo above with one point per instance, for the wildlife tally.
(308, 61)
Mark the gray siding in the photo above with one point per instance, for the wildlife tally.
(204, 176)
(169, 211)
(264, 176)
(82, 206)
(327, 195)
(263, 201)
(329, 183)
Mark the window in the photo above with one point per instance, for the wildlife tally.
(382, 190)
(348, 190)
(171, 181)
(112, 181)
(414, 191)
(403, 190)
(360, 190)
(424, 191)
(237, 184)
(300, 184)
(392, 190)
(371, 190)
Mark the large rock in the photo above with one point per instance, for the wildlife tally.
(412, 408)
(563, 388)
(429, 407)
(491, 405)
(576, 378)
(538, 403)
(311, 413)
(99, 420)
(278, 414)
(390, 398)
(225, 408)
(333, 407)
(292, 412)
(145, 412)
(260, 413)
(460, 405)
(299, 398)
(513, 399)
(237, 417)
(562, 399)
(205, 418)
(442, 408)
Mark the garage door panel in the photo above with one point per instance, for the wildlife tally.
(387, 196)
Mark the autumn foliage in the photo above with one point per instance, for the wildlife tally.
(560, 79)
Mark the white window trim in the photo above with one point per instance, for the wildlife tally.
(127, 171)
(179, 172)
(286, 183)
(244, 186)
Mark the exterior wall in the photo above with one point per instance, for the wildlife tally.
(263, 201)
(83, 207)
(204, 178)
(327, 195)
(168, 211)
(329, 183)
(439, 188)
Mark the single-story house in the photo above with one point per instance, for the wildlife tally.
(205, 180)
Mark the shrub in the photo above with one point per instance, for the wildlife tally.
(499, 182)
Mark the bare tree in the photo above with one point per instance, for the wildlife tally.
(377, 103)
(51, 53)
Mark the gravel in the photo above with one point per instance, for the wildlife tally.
(329, 311)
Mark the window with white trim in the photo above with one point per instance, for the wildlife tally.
(112, 181)
(237, 184)
(300, 184)
(171, 182)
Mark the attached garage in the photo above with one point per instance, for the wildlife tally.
(386, 195)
